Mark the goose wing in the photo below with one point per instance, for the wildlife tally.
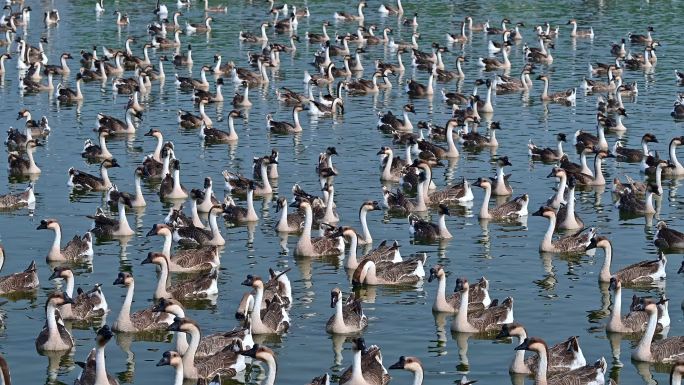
(409, 271)
(85, 180)
(668, 349)
(214, 343)
(382, 253)
(195, 257)
(23, 281)
(326, 245)
(87, 304)
(425, 229)
(584, 375)
(636, 321)
(492, 317)
(275, 316)
(219, 363)
(577, 242)
(510, 208)
(424, 145)
(371, 367)
(8, 201)
(193, 288)
(640, 270)
(147, 320)
(76, 247)
(352, 313)
(194, 233)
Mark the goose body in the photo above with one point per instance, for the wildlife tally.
(26, 280)
(665, 350)
(14, 201)
(512, 209)
(478, 297)
(202, 286)
(144, 320)
(87, 305)
(574, 243)
(668, 238)
(274, 318)
(348, 317)
(366, 368)
(407, 272)
(54, 336)
(315, 247)
(489, 319)
(78, 248)
(644, 272)
(188, 260)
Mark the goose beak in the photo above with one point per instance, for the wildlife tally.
(524, 346)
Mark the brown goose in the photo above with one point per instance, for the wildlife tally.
(367, 368)
(77, 248)
(573, 243)
(667, 350)
(636, 320)
(202, 286)
(487, 320)
(188, 260)
(144, 320)
(18, 200)
(274, 318)
(95, 372)
(348, 317)
(23, 281)
(87, 305)
(644, 272)
(278, 284)
(478, 297)
(83, 180)
(668, 238)
(547, 154)
(315, 247)
(407, 272)
(54, 336)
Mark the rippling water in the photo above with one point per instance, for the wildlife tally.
(555, 297)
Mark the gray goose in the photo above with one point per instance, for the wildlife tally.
(513, 209)
(425, 230)
(315, 247)
(563, 356)
(282, 127)
(83, 180)
(274, 319)
(628, 202)
(87, 305)
(644, 272)
(26, 280)
(367, 368)
(79, 247)
(624, 154)
(54, 336)
(478, 298)
(382, 253)
(202, 286)
(348, 317)
(106, 227)
(288, 222)
(547, 154)
(94, 372)
(17, 165)
(593, 373)
(487, 320)
(144, 320)
(97, 152)
(574, 243)
(667, 350)
(278, 284)
(407, 272)
(18, 200)
(667, 238)
(188, 260)
(635, 321)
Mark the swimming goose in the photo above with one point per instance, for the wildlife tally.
(567, 219)
(187, 119)
(500, 185)
(574, 243)
(391, 166)
(641, 39)
(110, 227)
(428, 231)
(28, 85)
(54, 336)
(675, 168)
(87, 305)
(630, 204)
(587, 374)
(97, 152)
(344, 16)
(192, 235)
(26, 280)
(165, 43)
(633, 155)
(217, 8)
(315, 247)
(116, 126)
(183, 60)
(190, 83)
(348, 317)
(242, 100)
(18, 165)
(144, 320)
(206, 96)
(666, 350)
(288, 223)
(202, 286)
(319, 38)
(580, 32)
(487, 320)
(440, 152)
(558, 198)
(17, 200)
(94, 372)
(513, 209)
(400, 204)
(598, 179)
(585, 141)
(225, 362)
(644, 272)
(418, 90)
(136, 199)
(156, 169)
(278, 284)
(239, 185)
(634, 322)
(456, 193)
(365, 237)
(366, 368)
(83, 180)
(286, 127)
(121, 19)
(567, 96)
(406, 272)
(388, 9)
(171, 187)
(187, 260)
(249, 37)
(389, 121)
(492, 64)
(274, 318)
(62, 68)
(320, 109)
(77, 248)
(191, 28)
(236, 214)
(564, 356)
(667, 238)
(478, 298)
(208, 198)
(37, 129)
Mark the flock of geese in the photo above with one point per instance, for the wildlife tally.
(337, 69)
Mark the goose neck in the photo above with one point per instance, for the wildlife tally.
(125, 313)
(308, 222)
(540, 378)
(605, 275)
(272, 369)
(189, 356)
(462, 315)
(166, 249)
(56, 243)
(213, 225)
(295, 117)
(484, 210)
(616, 312)
(643, 349)
(69, 285)
(364, 226)
(545, 92)
(163, 279)
(263, 170)
(352, 261)
(52, 320)
(598, 172)
(453, 151)
(548, 236)
(100, 366)
(673, 155)
(443, 231)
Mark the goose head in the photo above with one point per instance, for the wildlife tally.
(59, 298)
(152, 257)
(49, 223)
(335, 296)
(160, 229)
(168, 305)
(104, 334)
(171, 358)
(598, 242)
(482, 183)
(61, 272)
(436, 271)
(412, 364)
(545, 211)
(534, 344)
(253, 281)
(513, 329)
(124, 278)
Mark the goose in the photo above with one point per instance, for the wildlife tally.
(630, 204)
(391, 166)
(183, 60)
(587, 141)
(500, 185)
(82, 180)
(67, 94)
(574, 243)
(452, 38)
(192, 235)
(458, 192)
(634, 322)
(187, 260)
(95, 372)
(506, 84)
(320, 109)
(288, 223)
(222, 69)
(372, 39)
(171, 187)
(136, 199)
(28, 85)
(513, 209)
(411, 364)
(677, 110)
(37, 129)
(498, 31)
(315, 247)
(190, 83)
(242, 100)
(4, 56)
(286, 127)
(225, 362)
(209, 200)
(202, 286)
(348, 317)
(567, 96)
(191, 28)
(236, 214)
(214, 135)
(62, 68)
(76, 249)
(18, 165)
(322, 79)
(418, 90)
(97, 152)
(366, 368)
(140, 321)
(407, 272)
(440, 152)
(157, 164)
(476, 27)
(110, 227)
(363, 86)
(547, 154)
(187, 119)
(633, 155)
(567, 219)
(668, 238)
(644, 272)
(666, 350)
(249, 37)
(207, 96)
(611, 124)
(343, 16)
(121, 19)
(87, 305)
(478, 298)
(390, 122)
(597, 86)
(290, 97)
(164, 43)
(564, 356)
(587, 374)
(598, 179)
(387, 9)
(490, 319)
(274, 318)
(26, 280)
(365, 237)
(675, 168)
(580, 32)
(319, 38)
(403, 205)
(18, 200)
(266, 355)
(642, 39)
(217, 8)
(278, 284)
(425, 230)
(54, 336)
(116, 126)
(491, 64)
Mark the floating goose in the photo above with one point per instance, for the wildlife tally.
(76, 249)
(54, 336)
(197, 287)
(274, 318)
(348, 317)
(87, 305)
(407, 272)
(188, 260)
(667, 350)
(478, 297)
(95, 372)
(144, 320)
(26, 280)
(487, 320)
(644, 272)
(513, 209)
(574, 243)
(367, 368)
(20, 199)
